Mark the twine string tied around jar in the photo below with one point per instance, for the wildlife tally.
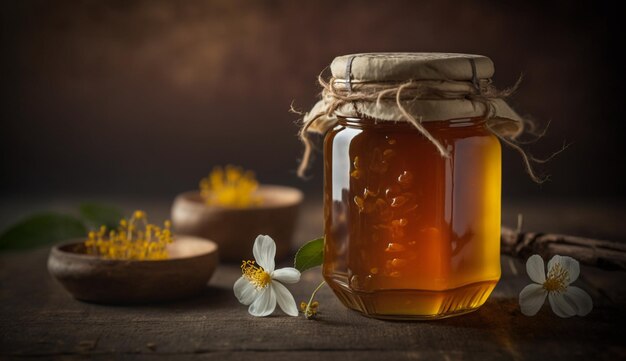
(339, 95)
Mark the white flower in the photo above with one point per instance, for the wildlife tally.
(260, 285)
(565, 300)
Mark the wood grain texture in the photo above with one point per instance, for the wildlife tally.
(39, 320)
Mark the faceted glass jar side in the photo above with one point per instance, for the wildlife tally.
(410, 234)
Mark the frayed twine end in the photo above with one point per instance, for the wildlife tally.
(334, 98)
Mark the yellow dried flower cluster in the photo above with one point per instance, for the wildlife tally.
(134, 239)
(230, 187)
(310, 311)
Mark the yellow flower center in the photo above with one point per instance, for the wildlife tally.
(255, 274)
(557, 279)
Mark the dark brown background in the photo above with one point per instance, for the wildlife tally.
(145, 97)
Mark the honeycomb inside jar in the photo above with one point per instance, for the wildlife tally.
(408, 233)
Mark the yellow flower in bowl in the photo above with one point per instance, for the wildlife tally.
(232, 208)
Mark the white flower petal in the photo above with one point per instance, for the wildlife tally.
(569, 264)
(580, 299)
(554, 260)
(285, 299)
(244, 291)
(532, 298)
(561, 306)
(286, 275)
(264, 251)
(535, 269)
(264, 304)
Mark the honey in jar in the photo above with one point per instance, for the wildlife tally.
(412, 183)
(411, 235)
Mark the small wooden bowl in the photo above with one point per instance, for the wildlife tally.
(95, 279)
(235, 229)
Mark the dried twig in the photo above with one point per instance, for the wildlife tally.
(593, 252)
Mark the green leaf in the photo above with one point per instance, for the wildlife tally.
(41, 229)
(310, 255)
(97, 215)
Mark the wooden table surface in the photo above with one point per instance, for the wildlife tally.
(39, 320)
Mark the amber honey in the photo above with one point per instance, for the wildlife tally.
(411, 234)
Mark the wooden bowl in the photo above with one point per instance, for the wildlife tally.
(235, 229)
(95, 279)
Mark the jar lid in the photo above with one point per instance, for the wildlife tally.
(413, 88)
(381, 67)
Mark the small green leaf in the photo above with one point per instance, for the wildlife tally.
(41, 229)
(310, 255)
(98, 214)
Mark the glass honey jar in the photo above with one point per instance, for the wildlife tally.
(412, 182)
(409, 233)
